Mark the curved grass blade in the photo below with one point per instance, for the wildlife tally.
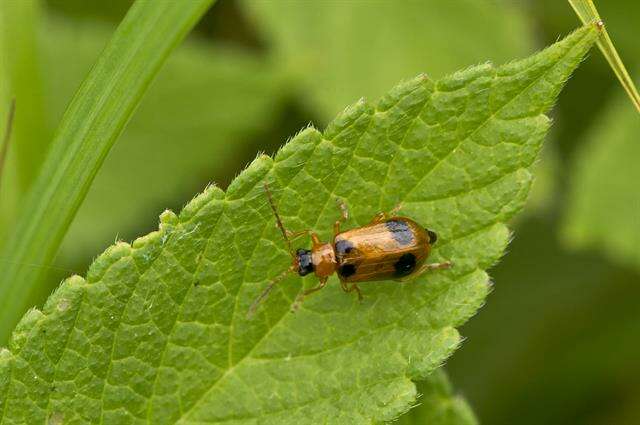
(94, 119)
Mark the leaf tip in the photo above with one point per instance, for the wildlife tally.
(23, 329)
(68, 293)
(349, 123)
(211, 192)
(250, 177)
(109, 257)
(168, 218)
(5, 354)
(422, 77)
(263, 157)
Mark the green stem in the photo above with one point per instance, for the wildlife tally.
(587, 12)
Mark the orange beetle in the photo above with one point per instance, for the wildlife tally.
(389, 247)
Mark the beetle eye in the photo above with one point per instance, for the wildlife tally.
(432, 236)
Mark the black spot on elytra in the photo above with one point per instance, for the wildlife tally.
(405, 265)
(343, 246)
(400, 231)
(347, 270)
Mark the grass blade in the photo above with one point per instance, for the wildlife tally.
(94, 119)
(587, 12)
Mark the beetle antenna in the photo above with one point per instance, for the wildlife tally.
(267, 291)
(275, 212)
(4, 148)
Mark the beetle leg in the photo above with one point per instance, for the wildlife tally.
(382, 216)
(378, 218)
(426, 268)
(294, 235)
(356, 288)
(352, 288)
(394, 210)
(436, 266)
(344, 216)
(301, 297)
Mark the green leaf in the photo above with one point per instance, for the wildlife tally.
(158, 330)
(335, 49)
(603, 207)
(438, 405)
(90, 126)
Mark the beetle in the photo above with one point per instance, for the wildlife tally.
(388, 247)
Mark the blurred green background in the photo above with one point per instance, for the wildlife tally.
(559, 338)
